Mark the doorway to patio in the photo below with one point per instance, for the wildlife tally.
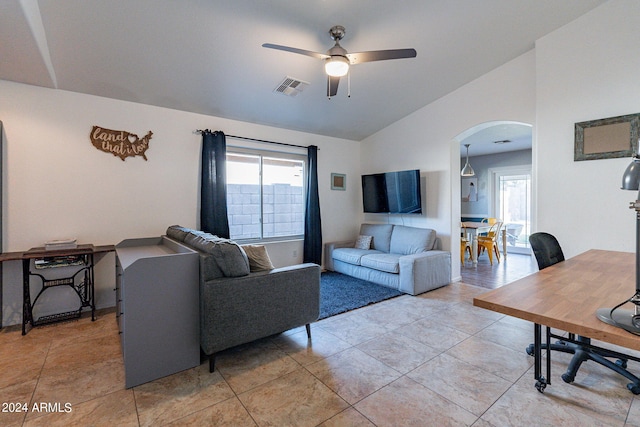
(501, 157)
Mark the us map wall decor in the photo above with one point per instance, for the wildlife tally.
(120, 143)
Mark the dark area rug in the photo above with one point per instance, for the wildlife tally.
(340, 293)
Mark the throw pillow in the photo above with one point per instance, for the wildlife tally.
(363, 242)
(258, 258)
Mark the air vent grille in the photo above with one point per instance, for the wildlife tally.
(291, 86)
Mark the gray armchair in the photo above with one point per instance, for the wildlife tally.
(238, 306)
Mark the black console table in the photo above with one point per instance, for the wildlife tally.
(80, 257)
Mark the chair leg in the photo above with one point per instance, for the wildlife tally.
(308, 327)
(576, 361)
(212, 362)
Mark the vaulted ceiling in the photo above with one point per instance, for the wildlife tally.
(206, 56)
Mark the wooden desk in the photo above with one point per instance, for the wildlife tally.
(474, 228)
(84, 289)
(567, 295)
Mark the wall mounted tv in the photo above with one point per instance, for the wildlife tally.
(392, 192)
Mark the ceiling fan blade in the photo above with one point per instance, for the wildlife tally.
(332, 86)
(380, 55)
(296, 50)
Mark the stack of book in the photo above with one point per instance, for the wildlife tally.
(61, 244)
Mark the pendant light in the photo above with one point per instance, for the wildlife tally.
(467, 170)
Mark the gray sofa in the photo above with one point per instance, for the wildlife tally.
(400, 257)
(238, 306)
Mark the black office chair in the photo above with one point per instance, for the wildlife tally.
(548, 252)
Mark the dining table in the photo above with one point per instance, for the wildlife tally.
(475, 228)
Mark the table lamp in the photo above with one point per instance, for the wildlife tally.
(628, 319)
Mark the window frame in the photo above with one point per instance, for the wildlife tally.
(261, 153)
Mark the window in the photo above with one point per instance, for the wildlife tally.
(512, 197)
(265, 195)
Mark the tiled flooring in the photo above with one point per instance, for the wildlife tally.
(432, 360)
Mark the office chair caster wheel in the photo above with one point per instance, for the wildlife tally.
(567, 378)
(622, 363)
(529, 350)
(541, 384)
(634, 388)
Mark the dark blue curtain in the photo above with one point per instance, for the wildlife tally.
(213, 185)
(312, 226)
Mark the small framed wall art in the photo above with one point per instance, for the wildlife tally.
(338, 181)
(607, 138)
(469, 189)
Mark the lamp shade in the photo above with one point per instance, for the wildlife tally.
(337, 66)
(467, 170)
(631, 177)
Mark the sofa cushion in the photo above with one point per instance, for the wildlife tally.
(351, 255)
(229, 256)
(177, 232)
(363, 242)
(411, 240)
(381, 234)
(382, 262)
(258, 258)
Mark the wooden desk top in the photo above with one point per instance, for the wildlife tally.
(42, 252)
(566, 295)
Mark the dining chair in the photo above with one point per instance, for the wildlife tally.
(489, 221)
(548, 252)
(490, 242)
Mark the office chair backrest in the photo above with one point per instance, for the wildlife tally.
(546, 249)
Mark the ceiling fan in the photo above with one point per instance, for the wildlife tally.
(337, 60)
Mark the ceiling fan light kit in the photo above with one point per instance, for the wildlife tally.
(336, 66)
(337, 61)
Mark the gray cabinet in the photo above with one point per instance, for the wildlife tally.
(157, 301)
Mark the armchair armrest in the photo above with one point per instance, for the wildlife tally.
(424, 271)
(328, 251)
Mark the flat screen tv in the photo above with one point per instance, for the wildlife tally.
(392, 192)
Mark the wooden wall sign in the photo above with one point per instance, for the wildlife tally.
(120, 143)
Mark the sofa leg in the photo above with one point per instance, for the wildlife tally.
(212, 362)
(308, 326)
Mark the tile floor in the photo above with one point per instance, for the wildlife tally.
(409, 361)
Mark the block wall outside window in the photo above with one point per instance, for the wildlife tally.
(283, 210)
(265, 195)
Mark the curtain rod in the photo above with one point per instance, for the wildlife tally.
(260, 140)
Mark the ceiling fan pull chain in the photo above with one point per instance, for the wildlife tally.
(349, 84)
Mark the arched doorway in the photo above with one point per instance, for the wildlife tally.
(500, 153)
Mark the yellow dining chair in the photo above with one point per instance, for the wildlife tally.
(490, 242)
(489, 221)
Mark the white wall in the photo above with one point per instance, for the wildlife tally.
(426, 140)
(587, 70)
(57, 185)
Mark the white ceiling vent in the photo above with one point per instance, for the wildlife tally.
(291, 86)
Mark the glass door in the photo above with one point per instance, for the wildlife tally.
(512, 189)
